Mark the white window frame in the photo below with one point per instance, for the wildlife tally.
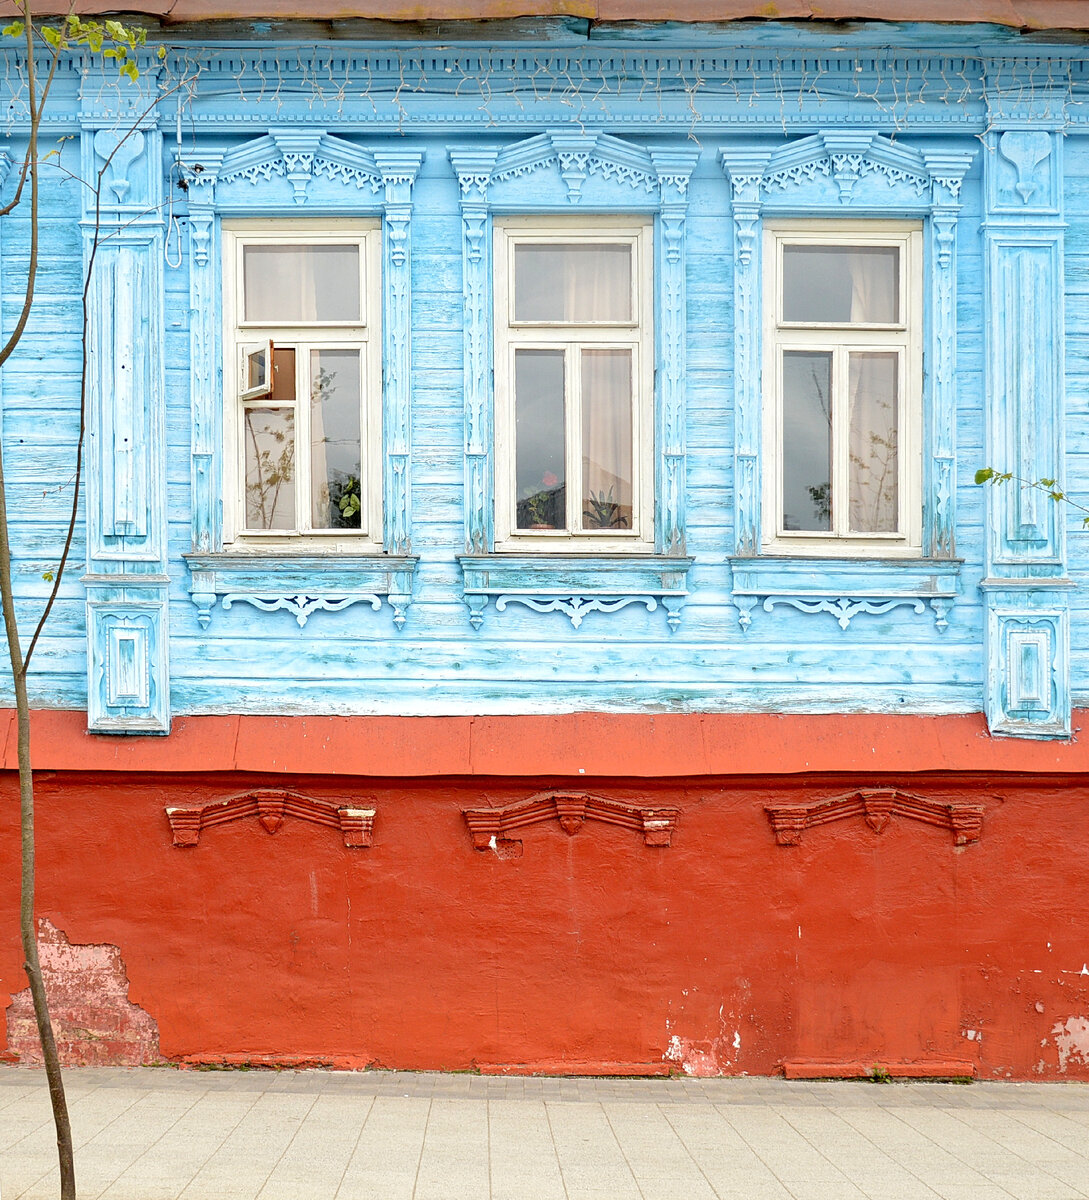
(904, 338)
(636, 335)
(241, 336)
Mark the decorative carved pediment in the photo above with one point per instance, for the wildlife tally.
(304, 166)
(845, 159)
(572, 810)
(835, 168)
(270, 806)
(567, 167)
(877, 807)
(574, 158)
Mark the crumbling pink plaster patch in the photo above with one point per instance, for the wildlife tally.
(94, 1021)
(1072, 1041)
(703, 1059)
(694, 1058)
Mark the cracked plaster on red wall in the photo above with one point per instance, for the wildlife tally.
(94, 1021)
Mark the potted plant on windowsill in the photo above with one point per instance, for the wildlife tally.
(345, 502)
(537, 510)
(603, 512)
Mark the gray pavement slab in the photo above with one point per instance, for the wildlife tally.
(162, 1134)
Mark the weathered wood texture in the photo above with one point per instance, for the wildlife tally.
(1032, 14)
(521, 660)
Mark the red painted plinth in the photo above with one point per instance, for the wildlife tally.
(443, 895)
(936, 1069)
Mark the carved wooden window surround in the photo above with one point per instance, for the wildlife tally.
(850, 177)
(842, 388)
(790, 821)
(572, 810)
(303, 342)
(315, 175)
(270, 806)
(568, 172)
(574, 315)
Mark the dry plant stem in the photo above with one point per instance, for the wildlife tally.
(28, 931)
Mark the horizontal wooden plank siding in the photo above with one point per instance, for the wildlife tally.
(357, 661)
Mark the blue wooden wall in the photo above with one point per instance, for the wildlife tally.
(704, 96)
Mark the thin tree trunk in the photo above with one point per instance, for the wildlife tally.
(26, 908)
(27, 924)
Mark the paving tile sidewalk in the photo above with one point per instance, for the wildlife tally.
(161, 1134)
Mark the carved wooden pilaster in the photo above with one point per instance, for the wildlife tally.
(674, 170)
(6, 162)
(204, 306)
(939, 516)
(473, 169)
(1026, 590)
(399, 169)
(744, 169)
(128, 687)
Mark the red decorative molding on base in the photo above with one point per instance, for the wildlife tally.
(577, 1068)
(270, 806)
(947, 1069)
(572, 810)
(790, 821)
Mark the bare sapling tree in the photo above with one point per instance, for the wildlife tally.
(42, 48)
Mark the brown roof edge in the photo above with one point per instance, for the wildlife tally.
(1017, 14)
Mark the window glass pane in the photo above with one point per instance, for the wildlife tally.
(606, 439)
(874, 498)
(539, 439)
(287, 284)
(335, 473)
(572, 283)
(842, 284)
(270, 468)
(256, 372)
(807, 440)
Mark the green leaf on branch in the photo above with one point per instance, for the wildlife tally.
(15, 29)
(1049, 487)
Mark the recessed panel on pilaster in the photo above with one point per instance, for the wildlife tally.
(128, 680)
(1028, 657)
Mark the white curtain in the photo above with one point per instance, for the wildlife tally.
(872, 392)
(599, 290)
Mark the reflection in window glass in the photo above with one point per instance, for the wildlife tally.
(807, 441)
(284, 285)
(539, 439)
(874, 468)
(841, 284)
(257, 373)
(606, 439)
(572, 283)
(270, 468)
(335, 471)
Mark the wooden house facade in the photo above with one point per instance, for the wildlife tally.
(533, 608)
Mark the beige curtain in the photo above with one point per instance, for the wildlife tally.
(872, 393)
(600, 290)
